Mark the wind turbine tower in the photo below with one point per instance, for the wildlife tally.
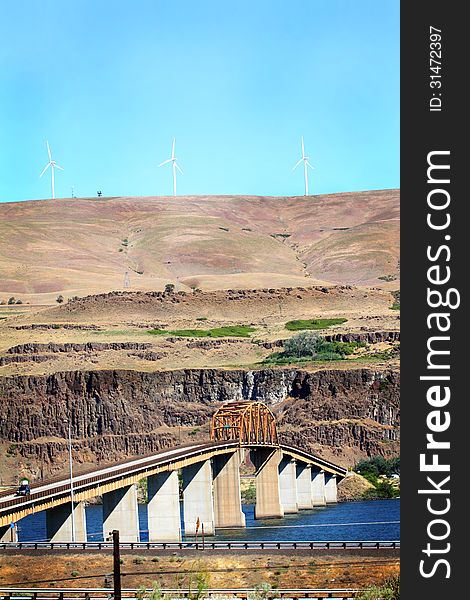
(304, 159)
(53, 165)
(174, 164)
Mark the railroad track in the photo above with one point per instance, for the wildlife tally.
(7, 593)
(199, 545)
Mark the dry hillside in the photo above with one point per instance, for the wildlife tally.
(85, 246)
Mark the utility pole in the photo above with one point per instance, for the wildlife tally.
(72, 503)
(116, 565)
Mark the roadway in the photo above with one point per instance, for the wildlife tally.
(98, 481)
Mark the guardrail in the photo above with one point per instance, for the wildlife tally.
(233, 545)
(107, 593)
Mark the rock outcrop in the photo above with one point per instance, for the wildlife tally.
(34, 348)
(344, 414)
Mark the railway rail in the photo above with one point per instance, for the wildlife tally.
(107, 593)
(204, 545)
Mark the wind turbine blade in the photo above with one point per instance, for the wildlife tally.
(173, 148)
(45, 169)
(58, 167)
(303, 151)
(179, 169)
(165, 162)
(49, 151)
(309, 164)
(297, 164)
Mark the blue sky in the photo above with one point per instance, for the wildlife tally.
(110, 83)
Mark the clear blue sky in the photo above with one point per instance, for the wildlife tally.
(110, 83)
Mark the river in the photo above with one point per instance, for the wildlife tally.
(376, 520)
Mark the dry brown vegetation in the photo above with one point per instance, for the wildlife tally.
(84, 246)
(128, 317)
(288, 570)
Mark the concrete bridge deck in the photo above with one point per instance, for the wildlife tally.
(96, 482)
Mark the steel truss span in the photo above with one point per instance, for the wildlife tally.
(244, 422)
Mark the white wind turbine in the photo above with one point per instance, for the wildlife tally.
(174, 165)
(53, 165)
(306, 164)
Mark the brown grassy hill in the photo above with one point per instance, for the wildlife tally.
(85, 246)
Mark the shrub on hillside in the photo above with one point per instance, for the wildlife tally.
(378, 465)
(304, 324)
(302, 344)
(309, 345)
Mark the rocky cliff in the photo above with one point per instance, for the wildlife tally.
(342, 414)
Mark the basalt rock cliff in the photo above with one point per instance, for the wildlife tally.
(341, 414)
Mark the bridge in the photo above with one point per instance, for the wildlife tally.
(288, 479)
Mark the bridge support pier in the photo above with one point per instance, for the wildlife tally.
(163, 508)
(318, 487)
(268, 496)
(331, 489)
(227, 497)
(120, 512)
(304, 485)
(288, 485)
(8, 534)
(59, 522)
(197, 498)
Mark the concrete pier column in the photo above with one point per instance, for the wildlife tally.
(59, 522)
(318, 487)
(197, 498)
(163, 508)
(8, 534)
(304, 485)
(227, 497)
(331, 490)
(268, 496)
(288, 485)
(120, 512)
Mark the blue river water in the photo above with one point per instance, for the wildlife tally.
(370, 520)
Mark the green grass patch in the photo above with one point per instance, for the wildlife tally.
(217, 332)
(395, 306)
(380, 356)
(302, 324)
(120, 332)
